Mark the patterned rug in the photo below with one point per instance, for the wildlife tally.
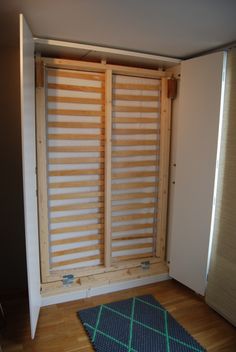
(138, 324)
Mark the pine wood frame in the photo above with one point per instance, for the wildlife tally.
(109, 70)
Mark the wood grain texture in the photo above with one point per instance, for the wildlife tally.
(108, 168)
(59, 329)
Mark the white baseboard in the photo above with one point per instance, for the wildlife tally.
(95, 291)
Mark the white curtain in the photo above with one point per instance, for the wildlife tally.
(221, 288)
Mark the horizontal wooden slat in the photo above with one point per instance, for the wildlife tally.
(102, 67)
(76, 239)
(75, 149)
(79, 172)
(75, 136)
(74, 74)
(135, 119)
(75, 195)
(136, 97)
(131, 247)
(141, 131)
(73, 184)
(60, 219)
(122, 228)
(136, 86)
(132, 237)
(127, 153)
(75, 100)
(76, 260)
(119, 218)
(133, 206)
(77, 250)
(138, 109)
(91, 205)
(58, 124)
(132, 256)
(119, 175)
(134, 143)
(75, 160)
(129, 164)
(75, 88)
(132, 185)
(135, 195)
(70, 112)
(76, 229)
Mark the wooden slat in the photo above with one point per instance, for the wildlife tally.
(135, 195)
(74, 88)
(74, 100)
(77, 250)
(136, 86)
(132, 237)
(129, 164)
(135, 97)
(134, 143)
(135, 119)
(75, 136)
(127, 153)
(70, 112)
(76, 239)
(123, 228)
(58, 124)
(76, 229)
(131, 247)
(132, 256)
(76, 74)
(119, 175)
(75, 149)
(103, 67)
(76, 260)
(91, 205)
(78, 172)
(137, 131)
(74, 218)
(138, 109)
(61, 196)
(75, 160)
(75, 184)
(119, 218)
(133, 206)
(132, 185)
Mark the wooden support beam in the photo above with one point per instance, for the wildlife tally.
(164, 171)
(108, 148)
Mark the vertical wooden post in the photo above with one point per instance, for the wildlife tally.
(42, 169)
(107, 198)
(165, 129)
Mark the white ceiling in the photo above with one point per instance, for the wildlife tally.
(176, 28)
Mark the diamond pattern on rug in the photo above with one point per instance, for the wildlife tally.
(139, 324)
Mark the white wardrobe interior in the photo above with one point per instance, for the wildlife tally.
(194, 138)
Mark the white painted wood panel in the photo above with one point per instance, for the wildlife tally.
(29, 167)
(196, 149)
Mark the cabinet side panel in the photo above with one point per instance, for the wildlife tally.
(29, 167)
(197, 137)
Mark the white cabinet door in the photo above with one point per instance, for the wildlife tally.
(29, 167)
(196, 152)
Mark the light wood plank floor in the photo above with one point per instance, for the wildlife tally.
(59, 330)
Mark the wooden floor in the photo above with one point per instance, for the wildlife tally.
(59, 330)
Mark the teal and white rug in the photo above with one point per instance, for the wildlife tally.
(138, 324)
